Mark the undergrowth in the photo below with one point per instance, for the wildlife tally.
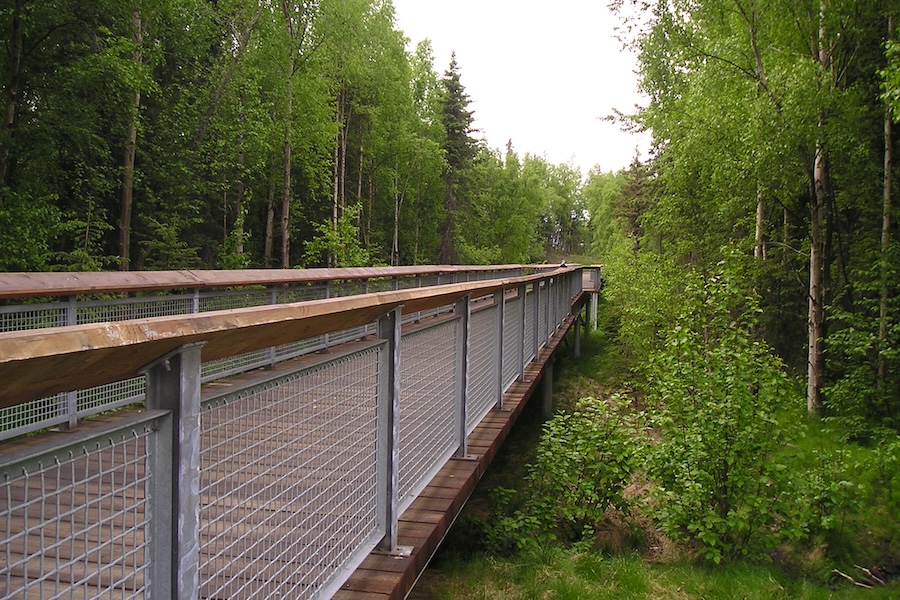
(570, 508)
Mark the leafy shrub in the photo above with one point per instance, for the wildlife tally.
(723, 481)
(583, 462)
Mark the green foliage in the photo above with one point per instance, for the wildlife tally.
(860, 399)
(582, 464)
(27, 225)
(341, 243)
(891, 78)
(573, 574)
(716, 395)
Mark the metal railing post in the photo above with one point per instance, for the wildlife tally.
(500, 302)
(463, 310)
(271, 298)
(547, 300)
(537, 319)
(326, 338)
(520, 345)
(388, 456)
(71, 398)
(173, 384)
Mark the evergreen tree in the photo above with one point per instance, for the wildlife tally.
(460, 150)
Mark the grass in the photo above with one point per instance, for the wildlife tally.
(567, 574)
(635, 566)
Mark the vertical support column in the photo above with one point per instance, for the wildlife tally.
(195, 301)
(173, 384)
(594, 303)
(585, 322)
(70, 399)
(576, 351)
(547, 390)
(463, 310)
(520, 343)
(500, 303)
(389, 431)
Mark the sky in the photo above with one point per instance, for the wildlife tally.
(541, 73)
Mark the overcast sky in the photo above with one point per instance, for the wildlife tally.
(537, 72)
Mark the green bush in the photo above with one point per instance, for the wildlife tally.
(583, 462)
(723, 481)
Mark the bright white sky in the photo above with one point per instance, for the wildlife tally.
(537, 72)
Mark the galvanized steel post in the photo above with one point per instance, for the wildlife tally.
(520, 345)
(500, 302)
(71, 398)
(173, 384)
(388, 444)
(463, 310)
(536, 339)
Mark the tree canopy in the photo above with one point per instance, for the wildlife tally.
(189, 134)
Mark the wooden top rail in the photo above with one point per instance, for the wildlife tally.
(37, 363)
(31, 285)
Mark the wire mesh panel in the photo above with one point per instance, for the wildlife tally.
(288, 481)
(32, 316)
(209, 301)
(75, 522)
(528, 341)
(543, 309)
(512, 339)
(429, 368)
(30, 416)
(105, 397)
(123, 309)
(483, 364)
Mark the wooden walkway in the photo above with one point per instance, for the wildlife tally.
(428, 519)
(422, 526)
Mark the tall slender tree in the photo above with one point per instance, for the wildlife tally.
(460, 150)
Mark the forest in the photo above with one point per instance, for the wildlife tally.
(171, 134)
(752, 299)
(744, 406)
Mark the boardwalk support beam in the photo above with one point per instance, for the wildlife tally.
(547, 390)
(173, 384)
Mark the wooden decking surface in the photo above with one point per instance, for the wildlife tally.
(428, 519)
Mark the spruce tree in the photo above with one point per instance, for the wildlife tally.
(460, 151)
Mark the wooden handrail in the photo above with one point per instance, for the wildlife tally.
(38, 363)
(31, 285)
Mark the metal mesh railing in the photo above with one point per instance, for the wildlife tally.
(528, 341)
(543, 311)
(288, 481)
(512, 340)
(483, 363)
(429, 375)
(75, 519)
(295, 467)
(49, 412)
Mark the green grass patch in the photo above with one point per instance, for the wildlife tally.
(568, 574)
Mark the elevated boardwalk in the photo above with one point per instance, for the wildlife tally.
(426, 522)
(335, 471)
